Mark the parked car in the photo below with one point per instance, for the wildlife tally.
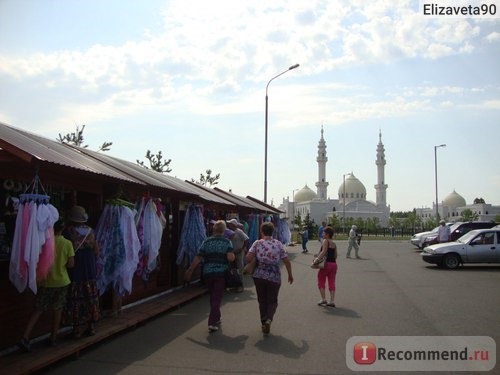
(476, 246)
(418, 238)
(458, 229)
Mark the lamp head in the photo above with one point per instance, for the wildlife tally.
(293, 67)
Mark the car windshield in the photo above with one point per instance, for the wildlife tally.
(454, 227)
(468, 236)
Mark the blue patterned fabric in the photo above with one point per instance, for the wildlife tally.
(192, 236)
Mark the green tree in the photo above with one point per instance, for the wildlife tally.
(156, 163)
(468, 215)
(208, 179)
(479, 200)
(77, 139)
(334, 222)
(497, 219)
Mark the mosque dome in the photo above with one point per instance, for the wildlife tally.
(454, 200)
(305, 195)
(354, 189)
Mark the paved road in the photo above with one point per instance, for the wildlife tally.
(391, 292)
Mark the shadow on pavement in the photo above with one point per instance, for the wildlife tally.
(282, 346)
(221, 342)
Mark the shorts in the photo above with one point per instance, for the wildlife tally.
(51, 297)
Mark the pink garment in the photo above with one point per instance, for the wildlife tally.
(46, 217)
(17, 267)
(47, 255)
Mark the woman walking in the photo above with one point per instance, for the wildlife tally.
(269, 253)
(328, 249)
(216, 252)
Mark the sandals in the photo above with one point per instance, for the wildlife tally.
(330, 304)
(322, 303)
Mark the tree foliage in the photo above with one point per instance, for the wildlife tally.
(77, 139)
(156, 162)
(468, 215)
(208, 179)
(479, 200)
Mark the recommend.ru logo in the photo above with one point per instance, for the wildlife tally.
(421, 353)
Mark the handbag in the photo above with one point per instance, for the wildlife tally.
(319, 263)
(250, 267)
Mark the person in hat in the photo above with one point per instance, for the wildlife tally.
(353, 242)
(239, 240)
(53, 289)
(83, 303)
(443, 232)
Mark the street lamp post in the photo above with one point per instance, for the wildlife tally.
(436, 178)
(265, 152)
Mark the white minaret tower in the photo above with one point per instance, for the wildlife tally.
(322, 185)
(381, 187)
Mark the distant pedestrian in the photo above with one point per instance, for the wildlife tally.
(240, 246)
(53, 290)
(353, 242)
(267, 275)
(443, 232)
(304, 236)
(328, 249)
(320, 231)
(216, 252)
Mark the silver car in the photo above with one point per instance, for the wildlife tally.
(418, 238)
(476, 246)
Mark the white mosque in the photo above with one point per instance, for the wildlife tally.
(452, 206)
(352, 199)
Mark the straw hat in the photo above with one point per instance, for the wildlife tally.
(78, 214)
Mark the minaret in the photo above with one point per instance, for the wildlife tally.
(321, 185)
(381, 187)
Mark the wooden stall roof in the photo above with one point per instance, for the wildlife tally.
(30, 148)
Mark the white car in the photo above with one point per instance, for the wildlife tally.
(476, 246)
(418, 238)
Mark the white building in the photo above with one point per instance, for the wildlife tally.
(452, 206)
(352, 199)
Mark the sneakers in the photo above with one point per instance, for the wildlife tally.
(330, 304)
(322, 303)
(212, 329)
(266, 326)
(24, 344)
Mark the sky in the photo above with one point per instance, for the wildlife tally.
(188, 78)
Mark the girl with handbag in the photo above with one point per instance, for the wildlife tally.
(329, 271)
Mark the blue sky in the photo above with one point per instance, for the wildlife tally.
(188, 78)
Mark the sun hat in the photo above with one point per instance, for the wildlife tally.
(78, 214)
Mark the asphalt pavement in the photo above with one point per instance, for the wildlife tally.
(390, 292)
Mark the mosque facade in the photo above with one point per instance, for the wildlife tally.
(452, 206)
(351, 201)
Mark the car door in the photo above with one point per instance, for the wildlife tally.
(483, 248)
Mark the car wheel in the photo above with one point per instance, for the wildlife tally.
(451, 261)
